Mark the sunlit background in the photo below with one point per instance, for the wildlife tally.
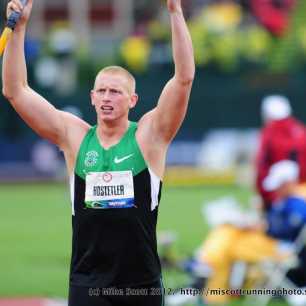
(244, 51)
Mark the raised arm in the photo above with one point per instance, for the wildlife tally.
(169, 114)
(37, 112)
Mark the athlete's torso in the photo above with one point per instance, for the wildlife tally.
(115, 200)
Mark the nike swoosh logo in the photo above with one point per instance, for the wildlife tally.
(120, 160)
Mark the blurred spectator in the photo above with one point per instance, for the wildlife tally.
(283, 137)
(229, 244)
(273, 14)
(135, 51)
(62, 65)
(62, 40)
(223, 16)
(45, 159)
(287, 217)
(231, 255)
(236, 236)
(47, 80)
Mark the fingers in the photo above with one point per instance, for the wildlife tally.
(14, 5)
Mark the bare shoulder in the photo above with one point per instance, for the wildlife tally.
(145, 133)
(75, 131)
(153, 149)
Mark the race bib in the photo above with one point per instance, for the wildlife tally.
(105, 190)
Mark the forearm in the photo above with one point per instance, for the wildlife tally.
(14, 71)
(182, 48)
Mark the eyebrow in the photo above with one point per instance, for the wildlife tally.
(122, 87)
(110, 88)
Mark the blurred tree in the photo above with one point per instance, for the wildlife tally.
(287, 54)
(255, 44)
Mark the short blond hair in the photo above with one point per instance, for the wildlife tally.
(117, 70)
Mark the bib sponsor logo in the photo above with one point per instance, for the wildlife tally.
(120, 160)
(91, 158)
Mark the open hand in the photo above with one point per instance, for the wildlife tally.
(174, 6)
(16, 5)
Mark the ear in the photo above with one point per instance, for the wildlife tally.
(133, 101)
(92, 97)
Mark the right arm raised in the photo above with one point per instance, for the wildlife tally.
(36, 111)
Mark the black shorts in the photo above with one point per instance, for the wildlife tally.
(146, 295)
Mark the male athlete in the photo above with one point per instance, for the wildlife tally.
(116, 169)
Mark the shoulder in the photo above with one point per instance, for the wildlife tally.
(147, 132)
(75, 131)
(152, 148)
(145, 127)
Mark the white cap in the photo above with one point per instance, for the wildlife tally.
(275, 108)
(281, 172)
(226, 210)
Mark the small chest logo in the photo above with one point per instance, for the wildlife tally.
(120, 160)
(91, 158)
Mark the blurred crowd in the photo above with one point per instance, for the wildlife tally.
(228, 36)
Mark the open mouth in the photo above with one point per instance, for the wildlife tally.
(107, 108)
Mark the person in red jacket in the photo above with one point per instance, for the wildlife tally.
(273, 14)
(282, 137)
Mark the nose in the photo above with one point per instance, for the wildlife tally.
(106, 96)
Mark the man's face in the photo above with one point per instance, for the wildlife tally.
(112, 97)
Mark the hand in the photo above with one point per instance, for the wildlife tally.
(174, 6)
(16, 5)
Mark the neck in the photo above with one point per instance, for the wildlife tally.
(109, 133)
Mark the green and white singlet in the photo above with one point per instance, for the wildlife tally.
(115, 199)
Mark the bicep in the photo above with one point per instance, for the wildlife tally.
(171, 109)
(39, 114)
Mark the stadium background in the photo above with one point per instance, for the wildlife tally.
(244, 50)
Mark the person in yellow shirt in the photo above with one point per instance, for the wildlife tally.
(239, 238)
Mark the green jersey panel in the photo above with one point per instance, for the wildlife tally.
(125, 155)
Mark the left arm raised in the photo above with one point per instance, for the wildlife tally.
(167, 117)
